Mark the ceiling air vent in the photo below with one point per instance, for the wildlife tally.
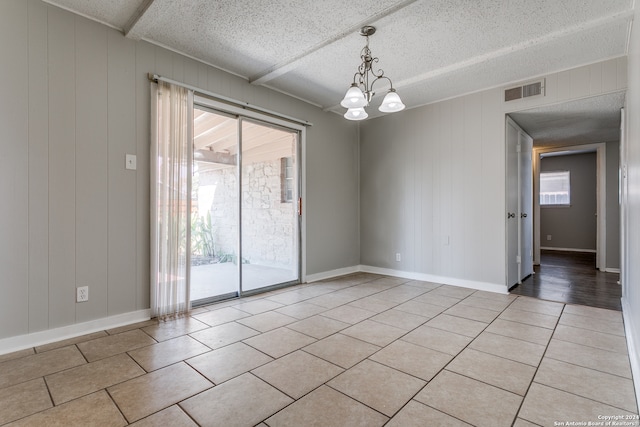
(525, 91)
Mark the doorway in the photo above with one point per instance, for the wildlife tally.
(245, 194)
(519, 195)
(589, 124)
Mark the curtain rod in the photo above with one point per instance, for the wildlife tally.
(246, 105)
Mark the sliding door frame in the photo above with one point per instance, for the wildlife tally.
(276, 122)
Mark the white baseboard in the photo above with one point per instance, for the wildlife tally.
(551, 248)
(481, 286)
(21, 342)
(473, 284)
(612, 270)
(330, 274)
(632, 346)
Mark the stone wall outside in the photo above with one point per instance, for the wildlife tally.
(268, 227)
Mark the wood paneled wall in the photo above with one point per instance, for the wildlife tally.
(74, 99)
(433, 179)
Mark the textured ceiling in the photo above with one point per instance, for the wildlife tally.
(431, 49)
(583, 121)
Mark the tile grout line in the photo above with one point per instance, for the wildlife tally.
(546, 347)
(447, 364)
(366, 358)
(325, 309)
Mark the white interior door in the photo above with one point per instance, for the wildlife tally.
(519, 203)
(526, 204)
(512, 204)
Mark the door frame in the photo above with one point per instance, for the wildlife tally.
(519, 227)
(601, 201)
(248, 113)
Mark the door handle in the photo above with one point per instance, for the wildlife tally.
(511, 215)
(523, 215)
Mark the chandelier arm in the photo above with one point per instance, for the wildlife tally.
(356, 80)
(380, 72)
(380, 78)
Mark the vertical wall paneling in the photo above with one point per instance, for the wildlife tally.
(38, 94)
(91, 167)
(429, 160)
(191, 72)
(419, 168)
(580, 82)
(445, 185)
(177, 64)
(595, 81)
(621, 66)
(564, 85)
(492, 215)
(473, 173)
(62, 162)
(613, 206)
(14, 167)
(164, 63)
(331, 216)
(436, 178)
(122, 183)
(213, 80)
(75, 100)
(406, 192)
(458, 177)
(145, 63)
(631, 275)
(609, 76)
(202, 76)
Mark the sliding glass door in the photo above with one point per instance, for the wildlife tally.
(214, 206)
(245, 230)
(269, 208)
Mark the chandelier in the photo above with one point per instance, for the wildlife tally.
(361, 91)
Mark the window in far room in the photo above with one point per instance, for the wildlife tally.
(555, 188)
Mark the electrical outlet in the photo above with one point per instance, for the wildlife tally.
(82, 294)
(548, 236)
(398, 257)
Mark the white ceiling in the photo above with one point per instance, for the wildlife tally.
(431, 49)
(583, 121)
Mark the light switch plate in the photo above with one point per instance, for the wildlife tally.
(130, 162)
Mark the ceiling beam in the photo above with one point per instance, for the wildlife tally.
(213, 157)
(132, 29)
(292, 62)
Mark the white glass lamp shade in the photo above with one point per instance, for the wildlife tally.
(356, 114)
(391, 103)
(354, 98)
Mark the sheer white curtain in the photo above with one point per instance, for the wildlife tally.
(171, 149)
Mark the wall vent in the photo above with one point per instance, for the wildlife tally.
(530, 89)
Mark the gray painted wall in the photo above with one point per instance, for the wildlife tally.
(572, 227)
(433, 178)
(631, 267)
(75, 100)
(575, 228)
(613, 205)
(432, 189)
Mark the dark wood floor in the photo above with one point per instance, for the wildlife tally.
(571, 277)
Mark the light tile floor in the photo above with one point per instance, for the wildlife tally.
(360, 350)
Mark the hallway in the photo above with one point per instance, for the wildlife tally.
(572, 278)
